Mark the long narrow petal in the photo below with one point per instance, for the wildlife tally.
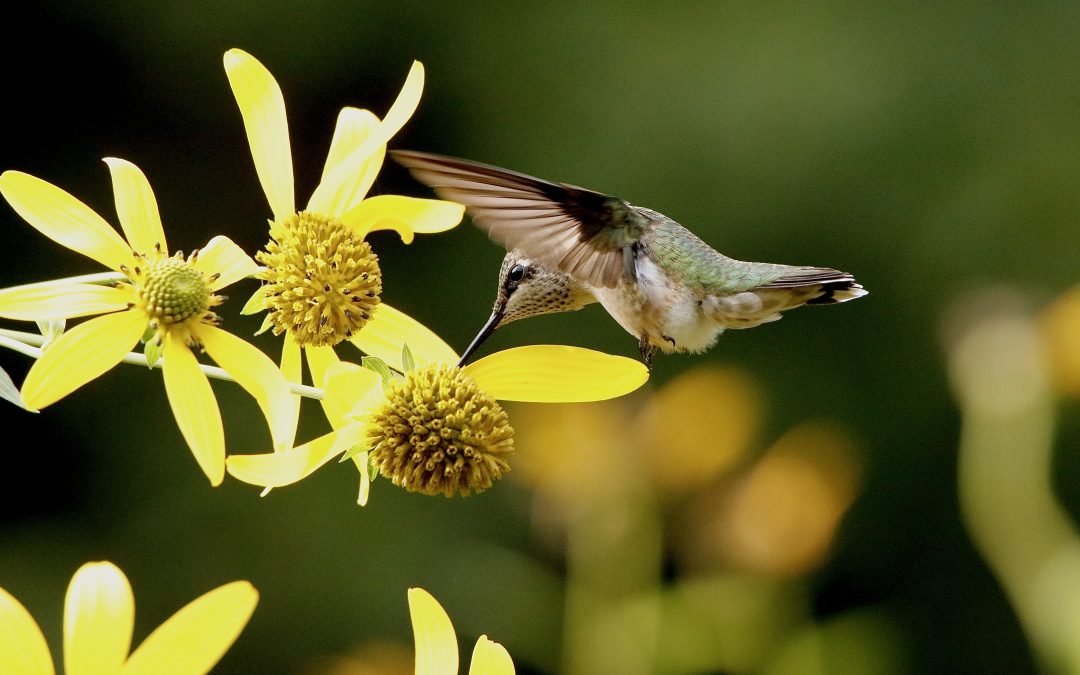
(99, 617)
(23, 650)
(351, 391)
(341, 185)
(263, 109)
(555, 373)
(223, 257)
(136, 206)
(259, 376)
(320, 360)
(285, 468)
(194, 639)
(389, 329)
(404, 215)
(81, 354)
(354, 126)
(64, 219)
(62, 301)
(194, 407)
(292, 367)
(490, 658)
(436, 642)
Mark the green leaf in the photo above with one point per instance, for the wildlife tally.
(51, 329)
(152, 351)
(8, 391)
(407, 361)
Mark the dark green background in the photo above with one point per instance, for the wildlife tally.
(927, 149)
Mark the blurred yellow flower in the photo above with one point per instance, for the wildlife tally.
(436, 642)
(171, 296)
(1060, 328)
(780, 517)
(322, 282)
(99, 619)
(439, 430)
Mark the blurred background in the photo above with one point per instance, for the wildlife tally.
(878, 487)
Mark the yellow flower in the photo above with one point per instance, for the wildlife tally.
(322, 281)
(436, 642)
(99, 617)
(171, 296)
(439, 429)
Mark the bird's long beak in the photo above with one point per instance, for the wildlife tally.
(485, 332)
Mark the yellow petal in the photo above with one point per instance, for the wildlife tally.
(23, 650)
(350, 391)
(64, 219)
(81, 354)
(490, 658)
(194, 639)
(99, 617)
(292, 366)
(136, 206)
(436, 643)
(354, 126)
(389, 329)
(556, 373)
(263, 109)
(404, 215)
(259, 376)
(319, 360)
(285, 468)
(62, 301)
(340, 185)
(194, 407)
(222, 256)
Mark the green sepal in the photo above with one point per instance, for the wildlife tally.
(255, 304)
(152, 351)
(9, 392)
(377, 365)
(267, 324)
(353, 452)
(373, 469)
(407, 360)
(149, 334)
(51, 329)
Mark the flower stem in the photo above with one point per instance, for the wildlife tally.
(30, 345)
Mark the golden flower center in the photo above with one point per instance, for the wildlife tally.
(172, 290)
(439, 433)
(321, 280)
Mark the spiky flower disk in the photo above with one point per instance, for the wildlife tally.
(322, 282)
(172, 291)
(439, 433)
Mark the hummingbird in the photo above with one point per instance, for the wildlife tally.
(569, 246)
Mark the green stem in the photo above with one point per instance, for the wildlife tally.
(30, 345)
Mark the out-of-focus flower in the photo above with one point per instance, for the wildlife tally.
(322, 282)
(167, 297)
(99, 618)
(439, 429)
(698, 426)
(1060, 328)
(781, 516)
(436, 642)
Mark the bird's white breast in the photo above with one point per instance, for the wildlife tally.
(663, 311)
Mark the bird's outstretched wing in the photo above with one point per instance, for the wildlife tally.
(584, 233)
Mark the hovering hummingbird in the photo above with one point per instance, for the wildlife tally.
(569, 246)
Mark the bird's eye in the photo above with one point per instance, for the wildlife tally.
(517, 272)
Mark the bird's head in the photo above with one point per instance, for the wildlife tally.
(527, 288)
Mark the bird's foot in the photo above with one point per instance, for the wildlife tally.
(647, 350)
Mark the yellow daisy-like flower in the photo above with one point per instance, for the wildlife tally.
(172, 296)
(436, 642)
(322, 283)
(439, 429)
(99, 618)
